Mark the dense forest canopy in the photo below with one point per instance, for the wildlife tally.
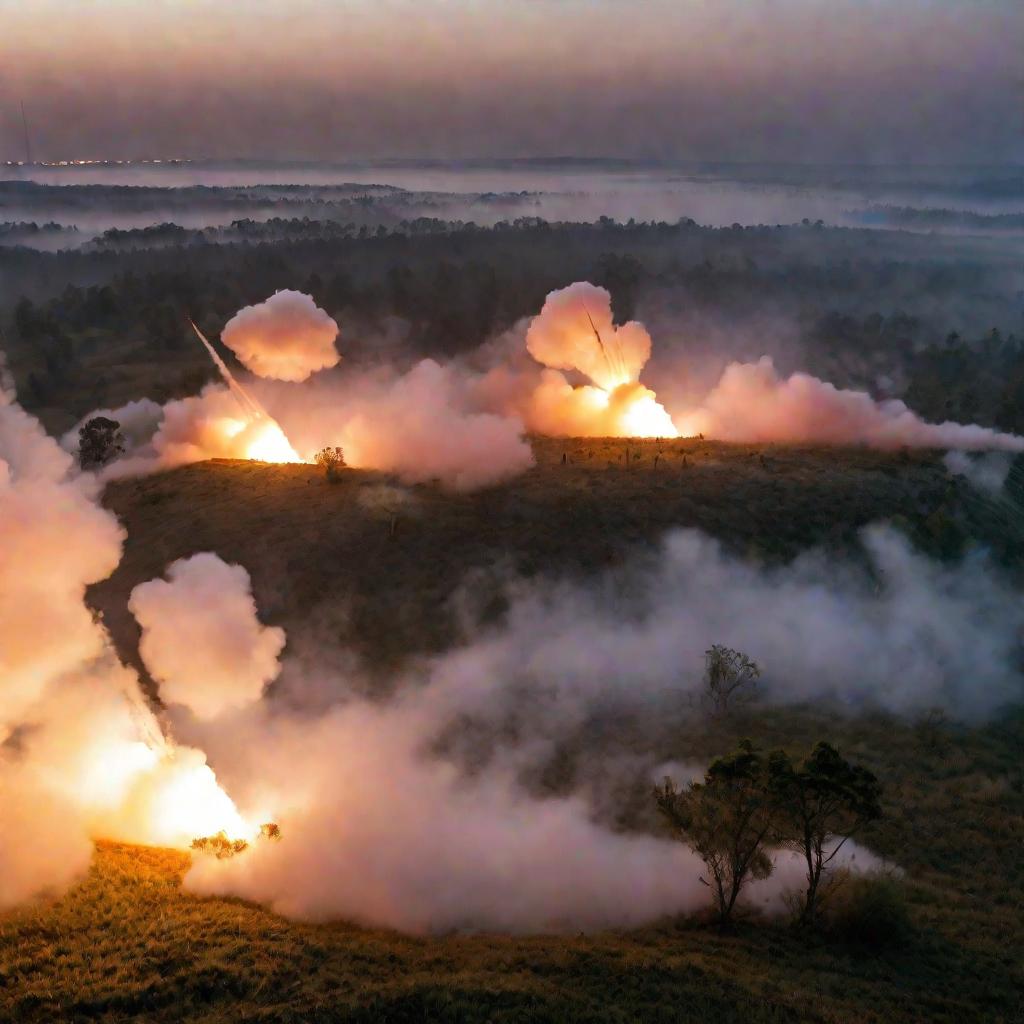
(934, 319)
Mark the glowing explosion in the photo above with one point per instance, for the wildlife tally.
(575, 331)
(262, 440)
(162, 795)
(258, 434)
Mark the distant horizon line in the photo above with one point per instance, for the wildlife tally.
(495, 161)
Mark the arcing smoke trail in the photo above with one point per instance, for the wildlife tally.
(250, 406)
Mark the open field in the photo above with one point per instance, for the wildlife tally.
(393, 564)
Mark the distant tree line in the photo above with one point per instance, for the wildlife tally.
(68, 319)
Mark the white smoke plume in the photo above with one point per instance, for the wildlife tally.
(287, 337)
(424, 848)
(78, 746)
(43, 850)
(753, 404)
(202, 640)
(987, 472)
(379, 832)
(901, 633)
(54, 541)
(574, 331)
(420, 425)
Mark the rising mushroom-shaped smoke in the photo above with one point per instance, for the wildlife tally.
(201, 638)
(575, 331)
(287, 337)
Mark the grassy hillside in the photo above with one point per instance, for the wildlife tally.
(392, 567)
(127, 945)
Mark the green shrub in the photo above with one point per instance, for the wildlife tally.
(869, 910)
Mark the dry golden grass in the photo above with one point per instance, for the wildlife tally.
(127, 945)
(309, 544)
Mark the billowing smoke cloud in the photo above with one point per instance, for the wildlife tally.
(287, 337)
(419, 425)
(210, 425)
(987, 472)
(422, 425)
(425, 848)
(901, 634)
(78, 746)
(54, 541)
(202, 640)
(380, 832)
(751, 403)
(42, 851)
(574, 331)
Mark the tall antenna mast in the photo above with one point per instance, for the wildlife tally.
(28, 143)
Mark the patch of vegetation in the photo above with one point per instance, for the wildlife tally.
(868, 910)
(727, 820)
(594, 512)
(332, 460)
(220, 846)
(749, 804)
(730, 678)
(99, 440)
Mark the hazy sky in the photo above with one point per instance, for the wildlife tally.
(816, 80)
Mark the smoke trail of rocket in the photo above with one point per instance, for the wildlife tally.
(250, 406)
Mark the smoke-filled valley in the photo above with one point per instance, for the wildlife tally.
(364, 572)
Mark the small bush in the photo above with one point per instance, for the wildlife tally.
(932, 731)
(869, 910)
(99, 441)
(223, 848)
(219, 845)
(333, 461)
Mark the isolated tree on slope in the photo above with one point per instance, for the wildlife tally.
(726, 819)
(99, 440)
(730, 678)
(819, 806)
